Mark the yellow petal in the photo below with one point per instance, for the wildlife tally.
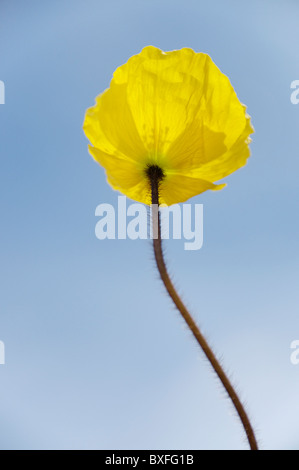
(230, 161)
(169, 92)
(110, 127)
(179, 188)
(124, 175)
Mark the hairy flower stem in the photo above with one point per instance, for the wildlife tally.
(155, 176)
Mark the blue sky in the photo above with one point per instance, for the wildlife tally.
(96, 356)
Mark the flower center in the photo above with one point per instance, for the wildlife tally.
(155, 173)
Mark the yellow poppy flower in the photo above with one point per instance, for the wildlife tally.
(175, 110)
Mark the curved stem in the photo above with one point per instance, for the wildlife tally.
(155, 178)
